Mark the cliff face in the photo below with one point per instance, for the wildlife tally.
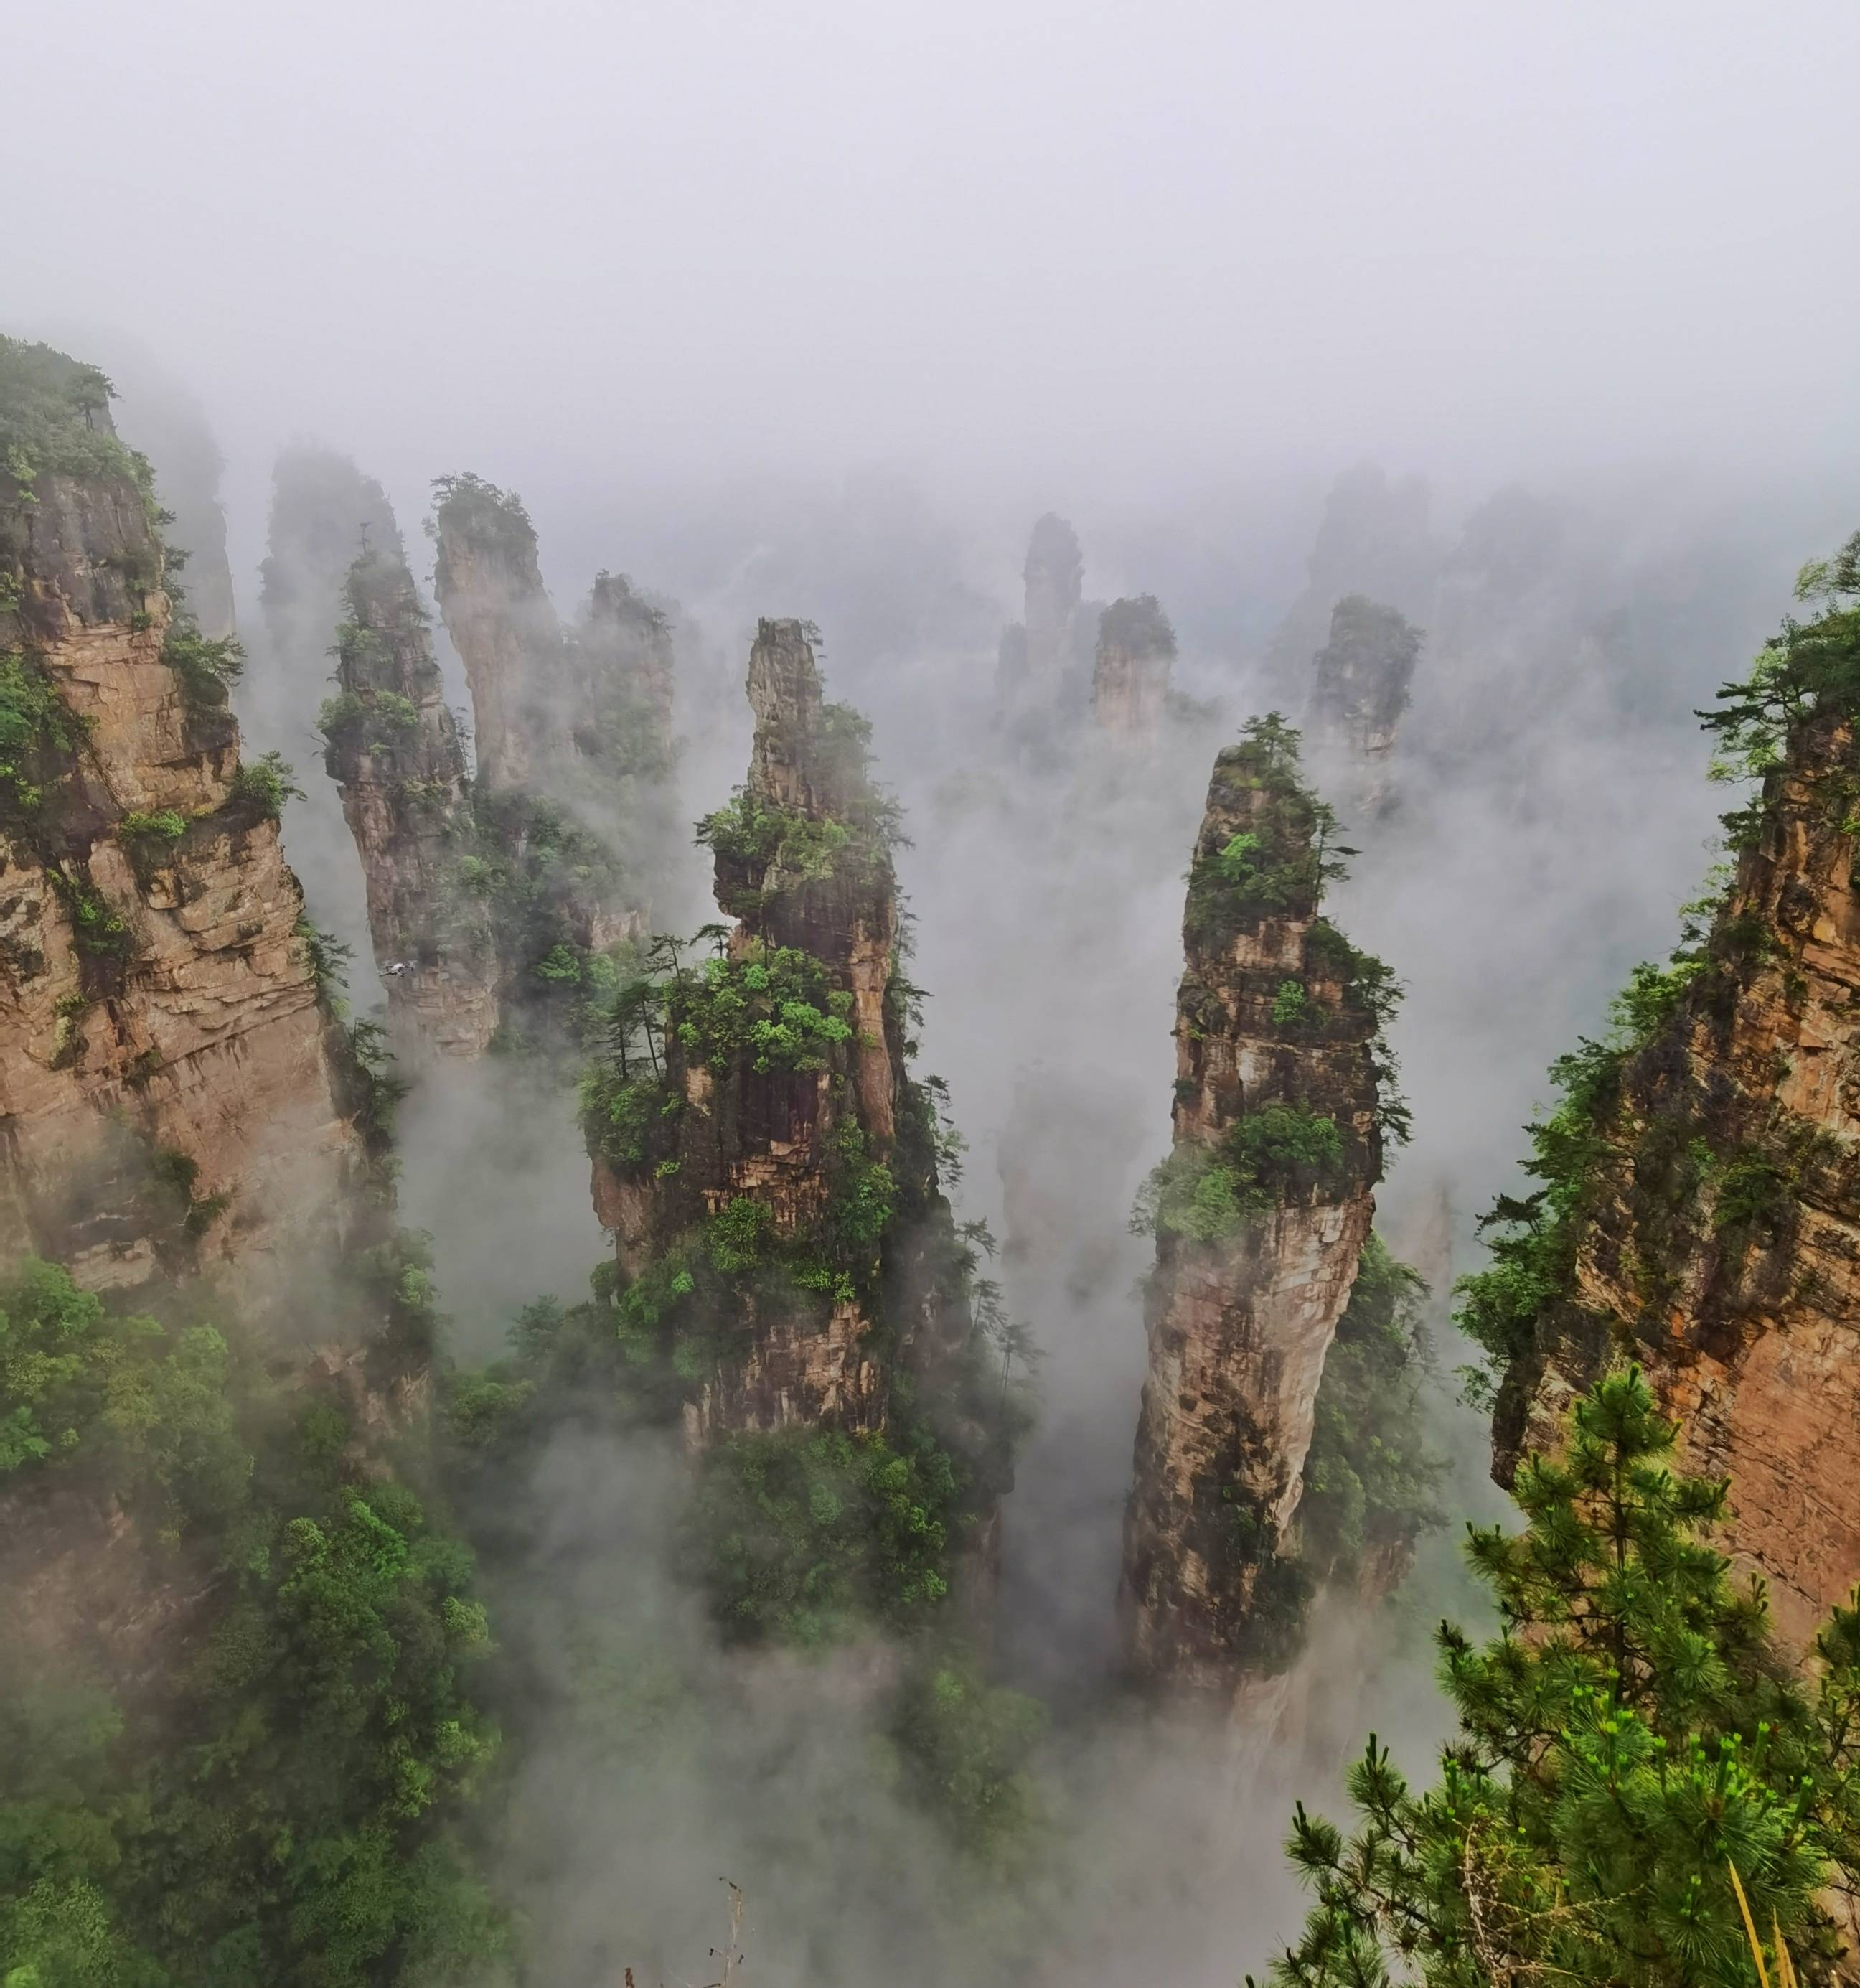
(166, 1087)
(1260, 1214)
(1701, 1212)
(1130, 684)
(1359, 690)
(393, 747)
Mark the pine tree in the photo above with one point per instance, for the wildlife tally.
(1629, 1735)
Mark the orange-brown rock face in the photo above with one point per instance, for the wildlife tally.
(1130, 684)
(165, 1084)
(1717, 1236)
(392, 745)
(1260, 1213)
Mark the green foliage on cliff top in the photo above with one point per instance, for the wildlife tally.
(262, 1794)
(1138, 625)
(54, 420)
(468, 504)
(1807, 668)
(1628, 1736)
(774, 1007)
(1280, 863)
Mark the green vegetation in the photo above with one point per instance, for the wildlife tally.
(967, 1748)
(1138, 626)
(803, 848)
(525, 863)
(1280, 863)
(105, 943)
(1808, 668)
(165, 826)
(260, 787)
(267, 1799)
(1363, 674)
(54, 422)
(1370, 1476)
(208, 669)
(1279, 1156)
(1627, 1736)
(469, 505)
(40, 737)
(1686, 1174)
(804, 1532)
(774, 1006)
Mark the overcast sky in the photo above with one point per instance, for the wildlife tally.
(1105, 240)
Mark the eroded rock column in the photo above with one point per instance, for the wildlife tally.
(1260, 1213)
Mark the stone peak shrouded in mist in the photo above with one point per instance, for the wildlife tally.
(324, 511)
(1260, 1213)
(1361, 684)
(505, 627)
(1054, 558)
(393, 746)
(1136, 654)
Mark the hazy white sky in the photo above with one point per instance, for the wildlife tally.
(1156, 236)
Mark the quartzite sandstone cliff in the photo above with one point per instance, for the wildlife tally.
(1703, 1210)
(766, 1163)
(1261, 1213)
(166, 1086)
(1129, 683)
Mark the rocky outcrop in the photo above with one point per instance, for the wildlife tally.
(1359, 690)
(1260, 1214)
(764, 1160)
(799, 1108)
(168, 1093)
(1130, 684)
(1701, 1210)
(393, 748)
